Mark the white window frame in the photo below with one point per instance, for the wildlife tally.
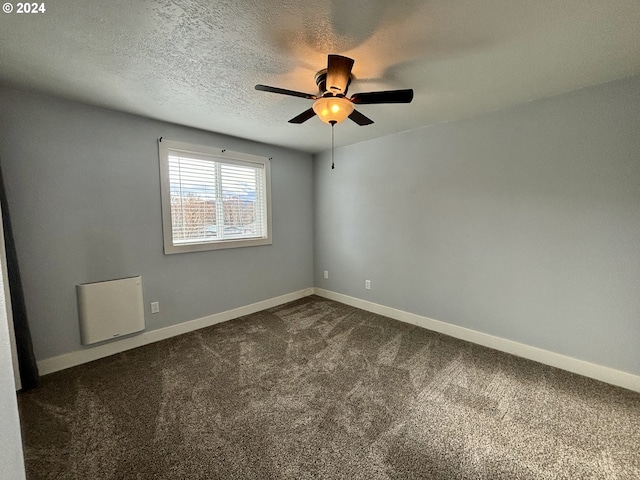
(217, 155)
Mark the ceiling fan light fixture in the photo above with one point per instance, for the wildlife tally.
(333, 109)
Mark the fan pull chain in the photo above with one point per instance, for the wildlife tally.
(333, 122)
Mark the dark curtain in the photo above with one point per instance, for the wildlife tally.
(26, 359)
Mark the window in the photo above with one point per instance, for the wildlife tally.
(212, 198)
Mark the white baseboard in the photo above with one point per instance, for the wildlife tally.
(581, 367)
(54, 364)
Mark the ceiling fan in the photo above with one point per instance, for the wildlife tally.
(332, 105)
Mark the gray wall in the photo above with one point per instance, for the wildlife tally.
(523, 223)
(83, 189)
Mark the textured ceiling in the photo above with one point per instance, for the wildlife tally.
(195, 62)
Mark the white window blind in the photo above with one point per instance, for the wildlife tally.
(213, 199)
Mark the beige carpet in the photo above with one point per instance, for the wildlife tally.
(318, 390)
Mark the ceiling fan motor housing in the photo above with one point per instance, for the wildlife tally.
(321, 82)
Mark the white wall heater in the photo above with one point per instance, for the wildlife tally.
(110, 309)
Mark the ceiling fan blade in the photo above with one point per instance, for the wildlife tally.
(339, 73)
(303, 117)
(283, 91)
(389, 96)
(360, 119)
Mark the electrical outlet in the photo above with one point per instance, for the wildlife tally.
(326, 274)
(367, 284)
(155, 307)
